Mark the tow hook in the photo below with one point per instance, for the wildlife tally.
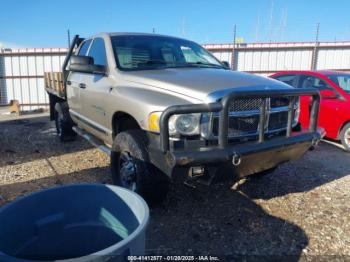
(314, 143)
(236, 159)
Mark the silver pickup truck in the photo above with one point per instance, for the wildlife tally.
(163, 107)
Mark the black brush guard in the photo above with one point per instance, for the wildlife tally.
(225, 151)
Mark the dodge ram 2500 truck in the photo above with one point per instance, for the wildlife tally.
(164, 107)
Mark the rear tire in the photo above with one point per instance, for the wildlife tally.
(64, 124)
(345, 137)
(131, 168)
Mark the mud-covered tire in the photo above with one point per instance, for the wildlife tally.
(64, 124)
(345, 137)
(131, 168)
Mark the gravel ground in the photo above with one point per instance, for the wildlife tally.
(300, 210)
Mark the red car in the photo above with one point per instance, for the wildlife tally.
(334, 88)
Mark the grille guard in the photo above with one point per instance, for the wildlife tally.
(223, 108)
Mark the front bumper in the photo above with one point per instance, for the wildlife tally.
(248, 157)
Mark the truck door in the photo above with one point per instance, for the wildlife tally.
(95, 89)
(73, 81)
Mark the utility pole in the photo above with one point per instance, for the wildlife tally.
(315, 51)
(68, 35)
(233, 57)
(270, 29)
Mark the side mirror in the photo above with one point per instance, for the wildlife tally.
(226, 64)
(85, 64)
(329, 94)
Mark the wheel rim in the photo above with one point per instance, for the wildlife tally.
(347, 137)
(128, 172)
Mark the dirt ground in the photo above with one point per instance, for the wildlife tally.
(301, 210)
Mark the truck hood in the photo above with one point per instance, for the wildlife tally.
(199, 83)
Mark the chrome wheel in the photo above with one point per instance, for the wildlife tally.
(128, 170)
(347, 137)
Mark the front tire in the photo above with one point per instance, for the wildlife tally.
(345, 137)
(131, 168)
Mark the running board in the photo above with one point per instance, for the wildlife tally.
(92, 140)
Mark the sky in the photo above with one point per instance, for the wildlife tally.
(44, 23)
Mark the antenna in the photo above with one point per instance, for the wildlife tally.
(68, 35)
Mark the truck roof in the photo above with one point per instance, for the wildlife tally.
(133, 34)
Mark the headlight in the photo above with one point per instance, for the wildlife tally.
(187, 124)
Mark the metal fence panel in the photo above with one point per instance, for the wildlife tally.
(22, 72)
(333, 59)
(267, 58)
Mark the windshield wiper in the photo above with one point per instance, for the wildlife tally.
(209, 64)
(198, 64)
(153, 62)
(174, 64)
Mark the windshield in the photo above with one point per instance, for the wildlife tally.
(140, 52)
(343, 81)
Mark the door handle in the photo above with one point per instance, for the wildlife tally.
(82, 85)
(68, 83)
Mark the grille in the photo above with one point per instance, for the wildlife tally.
(245, 104)
(239, 126)
(248, 124)
(278, 120)
(279, 102)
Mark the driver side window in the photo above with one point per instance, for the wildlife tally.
(98, 52)
(84, 47)
(313, 81)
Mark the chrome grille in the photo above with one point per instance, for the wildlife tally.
(278, 120)
(245, 104)
(279, 102)
(244, 117)
(239, 126)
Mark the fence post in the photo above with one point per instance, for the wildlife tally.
(233, 56)
(315, 50)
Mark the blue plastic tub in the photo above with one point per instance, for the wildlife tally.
(83, 222)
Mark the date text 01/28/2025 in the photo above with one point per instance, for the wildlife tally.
(173, 258)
